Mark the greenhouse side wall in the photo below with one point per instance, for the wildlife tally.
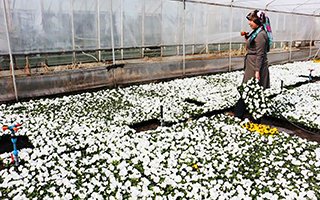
(130, 41)
(131, 73)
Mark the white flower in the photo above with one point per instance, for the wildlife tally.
(305, 173)
(177, 178)
(311, 195)
(68, 196)
(82, 195)
(156, 179)
(156, 189)
(134, 191)
(123, 172)
(317, 151)
(31, 189)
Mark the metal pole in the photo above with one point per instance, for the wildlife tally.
(9, 49)
(121, 27)
(295, 28)
(177, 34)
(291, 38)
(207, 31)
(183, 38)
(161, 24)
(312, 34)
(268, 4)
(72, 32)
(193, 31)
(142, 27)
(311, 39)
(111, 29)
(245, 7)
(296, 24)
(98, 30)
(230, 37)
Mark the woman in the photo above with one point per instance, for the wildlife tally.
(256, 62)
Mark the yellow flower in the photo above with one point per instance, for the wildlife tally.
(195, 166)
(260, 128)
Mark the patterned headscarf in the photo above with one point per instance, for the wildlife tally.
(263, 21)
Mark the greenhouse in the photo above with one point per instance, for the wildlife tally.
(140, 99)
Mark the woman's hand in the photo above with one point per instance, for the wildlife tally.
(257, 75)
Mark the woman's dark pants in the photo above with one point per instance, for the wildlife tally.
(240, 109)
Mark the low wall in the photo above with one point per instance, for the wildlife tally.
(102, 76)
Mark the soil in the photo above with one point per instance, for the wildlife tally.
(146, 125)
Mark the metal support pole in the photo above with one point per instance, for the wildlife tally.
(207, 31)
(310, 42)
(291, 38)
(177, 34)
(161, 32)
(142, 27)
(183, 38)
(9, 49)
(98, 30)
(193, 31)
(72, 32)
(121, 27)
(268, 4)
(112, 45)
(111, 29)
(311, 36)
(230, 37)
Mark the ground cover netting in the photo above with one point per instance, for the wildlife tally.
(84, 147)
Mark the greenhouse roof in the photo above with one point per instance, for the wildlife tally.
(306, 7)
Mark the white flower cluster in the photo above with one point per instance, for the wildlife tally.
(84, 148)
(214, 92)
(118, 163)
(255, 98)
(292, 73)
(300, 105)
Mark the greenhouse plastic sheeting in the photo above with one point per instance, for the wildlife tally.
(172, 17)
(3, 35)
(85, 24)
(39, 26)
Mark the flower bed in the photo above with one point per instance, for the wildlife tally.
(301, 105)
(83, 146)
(231, 162)
(292, 73)
(215, 93)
